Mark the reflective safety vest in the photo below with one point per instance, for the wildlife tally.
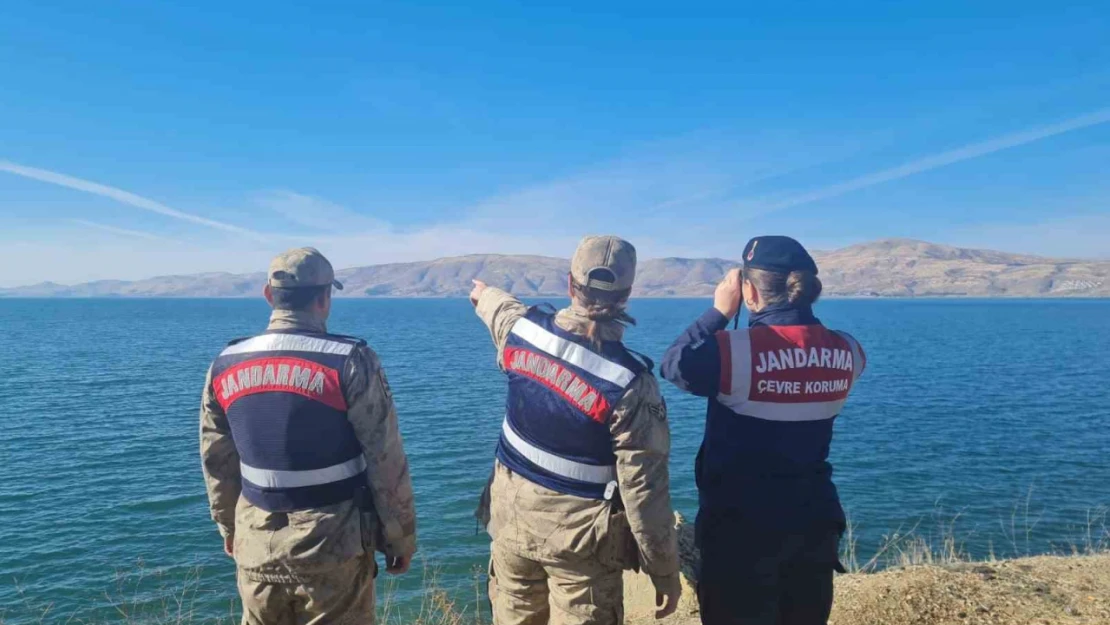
(283, 394)
(769, 428)
(561, 396)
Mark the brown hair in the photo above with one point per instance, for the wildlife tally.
(797, 288)
(600, 306)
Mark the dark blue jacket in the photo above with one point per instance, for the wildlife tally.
(774, 390)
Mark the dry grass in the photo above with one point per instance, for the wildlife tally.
(144, 597)
(922, 575)
(437, 606)
(139, 596)
(943, 543)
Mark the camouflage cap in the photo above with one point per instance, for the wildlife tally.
(607, 263)
(301, 267)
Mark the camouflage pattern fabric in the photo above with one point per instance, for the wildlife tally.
(568, 536)
(343, 596)
(304, 546)
(568, 591)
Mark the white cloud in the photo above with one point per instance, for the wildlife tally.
(921, 165)
(673, 198)
(125, 197)
(314, 212)
(102, 253)
(115, 230)
(79, 256)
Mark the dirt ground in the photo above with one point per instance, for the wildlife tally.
(1043, 590)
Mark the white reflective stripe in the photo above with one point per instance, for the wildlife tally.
(573, 353)
(582, 472)
(740, 358)
(296, 479)
(288, 343)
(768, 411)
(857, 356)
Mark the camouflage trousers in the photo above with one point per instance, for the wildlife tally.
(524, 591)
(344, 596)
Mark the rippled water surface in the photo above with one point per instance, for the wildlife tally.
(972, 409)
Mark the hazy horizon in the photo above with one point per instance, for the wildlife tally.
(863, 246)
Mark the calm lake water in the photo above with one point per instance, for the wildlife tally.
(968, 409)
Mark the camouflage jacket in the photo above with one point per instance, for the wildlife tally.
(296, 546)
(540, 522)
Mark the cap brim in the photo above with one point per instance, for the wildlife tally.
(337, 284)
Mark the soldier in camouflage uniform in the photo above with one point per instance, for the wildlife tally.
(303, 460)
(580, 490)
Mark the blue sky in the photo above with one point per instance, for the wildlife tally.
(144, 138)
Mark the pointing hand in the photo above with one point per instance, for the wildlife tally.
(476, 293)
(728, 295)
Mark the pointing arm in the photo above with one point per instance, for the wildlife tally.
(500, 312)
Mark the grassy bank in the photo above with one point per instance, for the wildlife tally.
(919, 577)
(915, 577)
(142, 597)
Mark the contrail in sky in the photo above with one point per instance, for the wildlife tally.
(115, 230)
(927, 163)
(120, 195)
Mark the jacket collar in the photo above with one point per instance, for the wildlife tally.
(297, 320)
(783, 315)
(575, 321)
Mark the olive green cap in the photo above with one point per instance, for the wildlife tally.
(301, 267)
(606, 263)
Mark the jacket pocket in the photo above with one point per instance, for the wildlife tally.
(616, 546)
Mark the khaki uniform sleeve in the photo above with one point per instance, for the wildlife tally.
(642, 442)
(374, 418)
(500, 312)
(219, 460)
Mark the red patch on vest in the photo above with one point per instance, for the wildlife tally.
(553, 375)
(799, 364)
(279, 375)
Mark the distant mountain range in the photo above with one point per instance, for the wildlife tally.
(886, 268)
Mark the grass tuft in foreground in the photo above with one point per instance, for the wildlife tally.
(928, 556)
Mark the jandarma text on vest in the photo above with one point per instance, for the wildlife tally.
(291, 375)
(798, 358)
(558, 378)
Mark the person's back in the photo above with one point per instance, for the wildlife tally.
(784, 380)
(580, 487)
(770, 518)
(303, 460)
